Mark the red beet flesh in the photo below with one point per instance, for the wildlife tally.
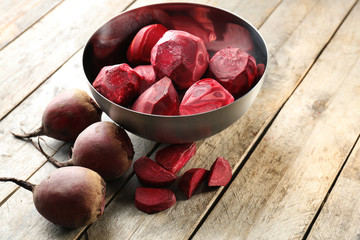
(180, 56)
(234, 69)
(118, 83)
(220, 173)
(151, 174)
(148, 77)
(67, 115)
(105, 148)
(191, 180)
(161, 99)
(141, 45)
(153, 200)
(175, 156)
(204, 95)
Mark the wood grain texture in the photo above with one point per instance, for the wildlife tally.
(18, 15)
(181, 220)
(43, 48)
(283, 183)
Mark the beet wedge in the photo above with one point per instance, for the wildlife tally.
(191, 180)
(175, 156)
(151, 174)
(153, 200)
(220, 173)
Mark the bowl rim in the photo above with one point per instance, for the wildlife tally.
(178, 3)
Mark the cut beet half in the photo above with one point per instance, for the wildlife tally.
(151, 174)
(220, 173)
(203, 96)
(153, 200)
(191, 180)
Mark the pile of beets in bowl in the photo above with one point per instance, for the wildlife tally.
(170, 72)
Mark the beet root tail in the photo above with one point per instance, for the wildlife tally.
(37, 132)
(21, 183)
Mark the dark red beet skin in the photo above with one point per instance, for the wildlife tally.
(70, 197)
(141, 45)
(180, 56)
(161, 99)
(153, 200)
(220, 173)
(151, 174)
(175, 156)
(191, 180)
(234, 69)
(204, 95)
(105, 148)
(118, 83)
(67, 115)
(148, 77)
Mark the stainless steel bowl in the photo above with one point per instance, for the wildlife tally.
(108, 46)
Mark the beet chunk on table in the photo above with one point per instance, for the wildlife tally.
(234, 69)
(161, 99)
(118, 83)
(180, 56)
(204, 95)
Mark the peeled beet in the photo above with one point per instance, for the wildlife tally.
(234, 69)
(148, 77)
(141, 45)
(191, 180)
(161, 99)
(67, 115)
(220, 173)
(152, 174)
(70, 197)
(103, 147)
(175, 156)
(204, 95)
(118, 83)
(180, 56)
(153, 200)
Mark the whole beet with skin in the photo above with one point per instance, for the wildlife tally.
(141, 45)
(70, 197)
(234, 69)
(118, 83)
(204, 95)
(103, 147)
(161, 99)
(67, 115)
(180, 56)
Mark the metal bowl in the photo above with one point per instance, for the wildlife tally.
(108, 46)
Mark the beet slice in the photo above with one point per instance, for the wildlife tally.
(180, 56)
(191, 180)
(152, 174)
(66, 116)
(161, 99)
(70, 197)
(141, 45)
(204, 95)
(118, 83)
(175, 156)
(153, 200)
(220, 173)
(234, 69)
(148, 77)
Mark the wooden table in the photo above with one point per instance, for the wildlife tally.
(295, 154)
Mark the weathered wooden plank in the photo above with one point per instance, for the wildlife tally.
(41, 50)
(339, 218)
(18, 15)
(283, 183)
(179, 221)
